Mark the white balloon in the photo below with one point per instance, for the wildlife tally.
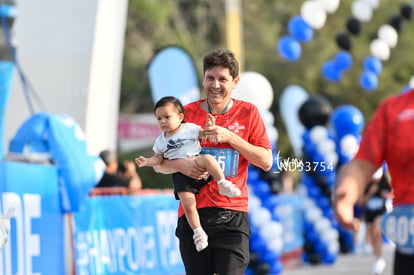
(308, 203)
(331, 160)
(271, 230)
(330, 6)
(372, 3)
(276, 245)
(313, 14)
(323, 225)
(255, 88)
(327, 146)
(361, 11)
(313, 214)
(261, 216)
(318, 134)
(380, 49)
(333, 247)
(349, 145)
(330, 235)
(254, 203)
(389, 35)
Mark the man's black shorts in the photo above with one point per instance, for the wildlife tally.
(227, 252)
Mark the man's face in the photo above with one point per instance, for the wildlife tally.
(219, 84)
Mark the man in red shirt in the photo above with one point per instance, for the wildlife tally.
(238, 137)
(388, 137)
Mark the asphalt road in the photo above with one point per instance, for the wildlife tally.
(348, 264)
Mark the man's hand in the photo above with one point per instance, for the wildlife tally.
(344, 210)
(186, 166)
(211, 121)
(209, 130)
(351, 182)
(215, 133)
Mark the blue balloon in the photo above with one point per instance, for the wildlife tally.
(329, 213)
(262, 189)
(343, 61)
(310, 148)
(257, 243)
(372, 64)
(306, 136)
(347, 119)
(307, 180)
(270, 202)
(249, 271)
(299, 29)
(368, 80)
(312, 236)
(269, 256)
(289, 48)
(313, 191)
(254, 174)
(253, 228)
(331, 72)
(320, 247)
(323, 202)
(328, 258)
(330, 179)
(276, 268)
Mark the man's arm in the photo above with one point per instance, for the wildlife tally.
(186, 166)
(256, 155)
(351, 182)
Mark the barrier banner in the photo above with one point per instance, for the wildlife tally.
(35, 244)
(120, 235)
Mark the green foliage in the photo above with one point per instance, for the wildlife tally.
(198, 26)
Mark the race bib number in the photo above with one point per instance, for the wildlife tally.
(398, 226)
(227, 158)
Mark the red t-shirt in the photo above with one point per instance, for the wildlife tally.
(243, 119)
(389, 136)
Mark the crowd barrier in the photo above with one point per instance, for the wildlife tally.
(36, 238)
(110, 234)
(120, 234)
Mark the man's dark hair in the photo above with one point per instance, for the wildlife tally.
(224, 58)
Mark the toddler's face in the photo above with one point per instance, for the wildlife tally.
(169, 118)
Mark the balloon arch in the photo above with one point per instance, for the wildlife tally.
(313, 15)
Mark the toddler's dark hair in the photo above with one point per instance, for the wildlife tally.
(169, 99)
